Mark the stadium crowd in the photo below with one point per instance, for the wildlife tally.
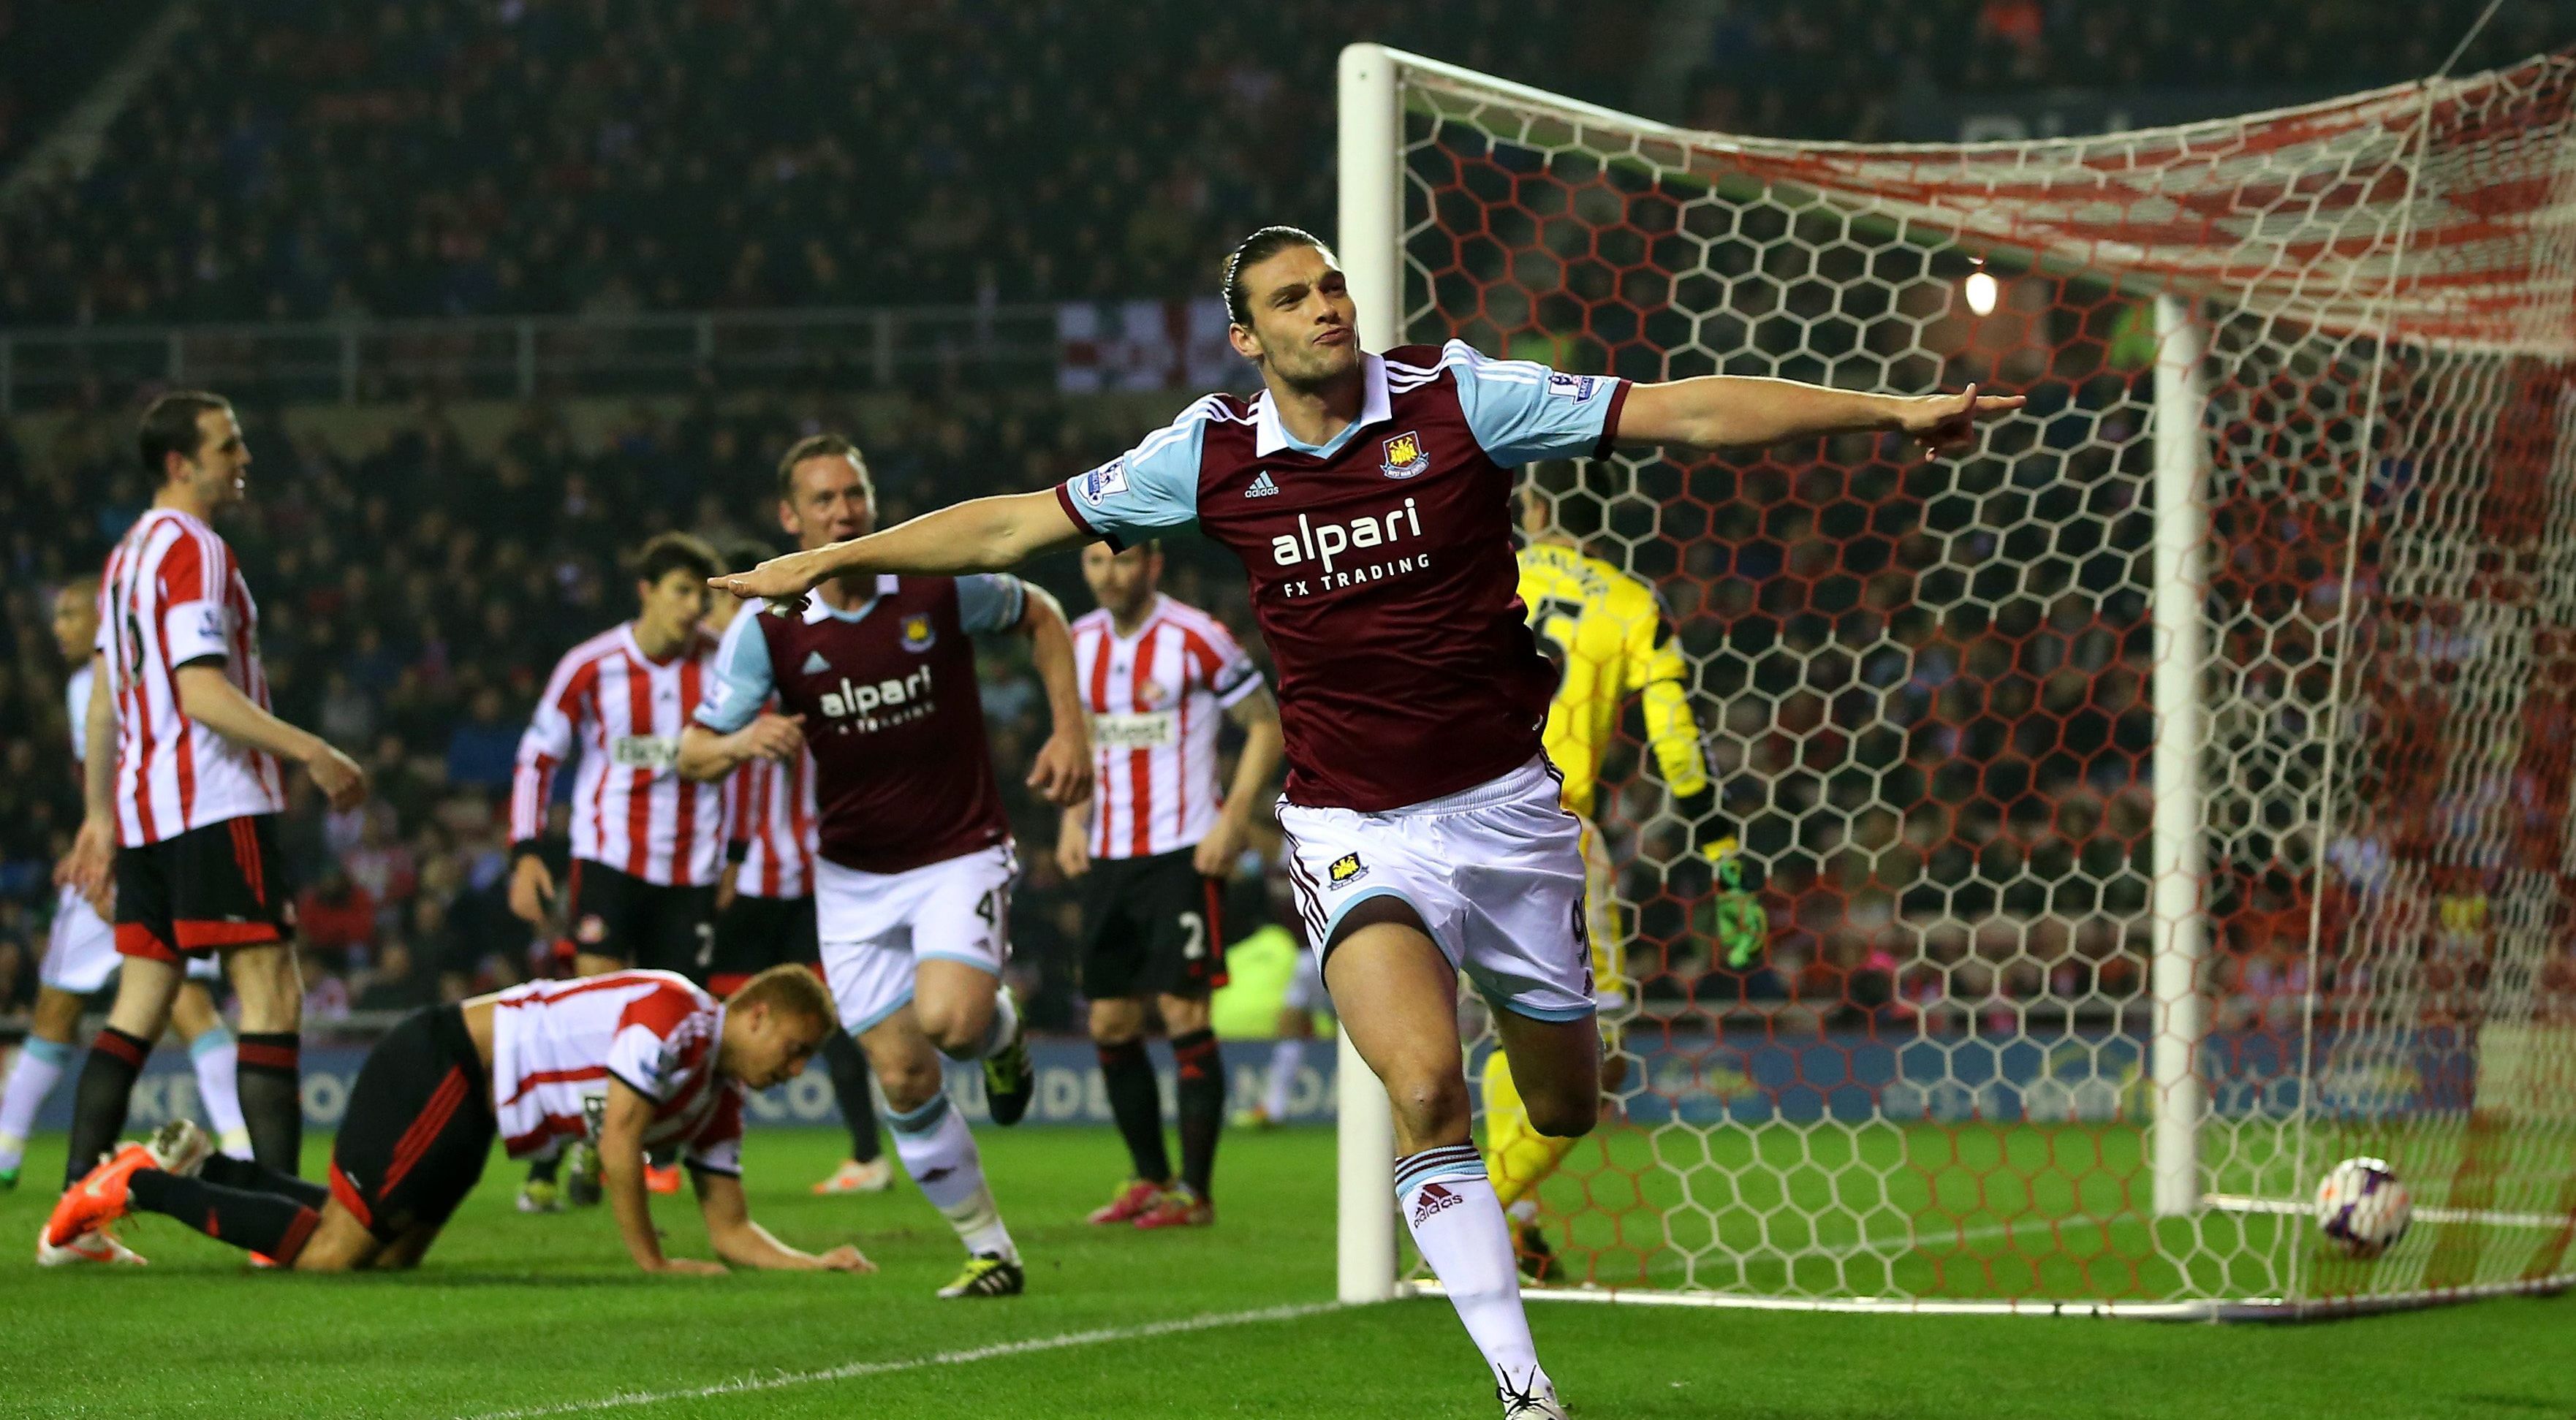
(313, 158)
(306, 159)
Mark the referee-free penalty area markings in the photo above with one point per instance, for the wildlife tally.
(856, 1370)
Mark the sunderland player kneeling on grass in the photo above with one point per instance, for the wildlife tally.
(1152, 849)
(1370, 498)
(638, 1059)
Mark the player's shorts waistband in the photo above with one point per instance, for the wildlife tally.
(1519, 783)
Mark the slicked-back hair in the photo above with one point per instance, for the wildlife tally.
(169, 426)
(1252, 251)
(788, 988)
(666, 553)
(817, 446)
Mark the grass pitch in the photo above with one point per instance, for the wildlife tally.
(529, 1314)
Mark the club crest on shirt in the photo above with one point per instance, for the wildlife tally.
(918, 634)
(1402, 456)
(1347, 869)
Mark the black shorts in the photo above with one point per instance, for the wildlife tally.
(206, 890)
(612, 914)
(418, 1128)
(757, 933)
(1151, 926)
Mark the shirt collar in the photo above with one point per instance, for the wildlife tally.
(818, 610)
(1376, 407)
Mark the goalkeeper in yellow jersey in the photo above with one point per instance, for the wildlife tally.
(1609, 639)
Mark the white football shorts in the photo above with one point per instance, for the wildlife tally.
(875, 926)
(1496, 872)
(80, 950)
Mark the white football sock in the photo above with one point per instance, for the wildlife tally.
(939, 1152)
(215, 1059)
(1006, 1021)
(1287, 1056)
(1458, 1224)
(31, 1077)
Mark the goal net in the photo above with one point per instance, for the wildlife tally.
(2151, 810)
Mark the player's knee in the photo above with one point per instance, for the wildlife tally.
(1116, 1022)
(1566, 1117)
(1429, 1103)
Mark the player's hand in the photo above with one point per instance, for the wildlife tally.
(1062, 773)
(1215, 855)
(90, 866)
(1947, 423)
(725, 889)
(770, 736)
(1072, 854)
(845, 1259)
(781, 581)
(339, 777)
(532, 885)
(688, 1267)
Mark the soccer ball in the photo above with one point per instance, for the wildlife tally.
(2362, 1208)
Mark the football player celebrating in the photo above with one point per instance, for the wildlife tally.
(653, 1059)
(914, 862)
(1370, 498)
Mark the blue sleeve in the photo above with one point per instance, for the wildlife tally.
(743, 678)
(990, 601)
(1520, 410)
(1152, 488)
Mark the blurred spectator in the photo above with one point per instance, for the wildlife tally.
(484, 746)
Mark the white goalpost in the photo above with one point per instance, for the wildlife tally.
(2152, 809)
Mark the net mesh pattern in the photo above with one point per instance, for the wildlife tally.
(1926, 689)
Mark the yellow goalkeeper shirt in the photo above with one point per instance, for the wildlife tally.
(1609, 639)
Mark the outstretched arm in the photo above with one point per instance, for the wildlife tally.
(981, 535)
(1736, 411)
(744, 1243)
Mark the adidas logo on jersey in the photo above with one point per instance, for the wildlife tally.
(1262, 487)
(815, 664)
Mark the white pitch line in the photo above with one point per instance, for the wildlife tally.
(780, 1380)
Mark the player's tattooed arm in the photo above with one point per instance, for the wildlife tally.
(981, 535)
(621, 1178)
(1258, 715)
(744, 1243)
(1735, 411)
(1062, 771)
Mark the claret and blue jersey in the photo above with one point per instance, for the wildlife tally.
(1381, 561)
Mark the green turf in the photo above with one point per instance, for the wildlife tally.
(514, 1311)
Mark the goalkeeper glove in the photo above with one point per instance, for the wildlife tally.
(1743, 927)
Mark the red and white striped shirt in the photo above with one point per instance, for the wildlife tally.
(557, 1044)
(770, 806)
(631, 810)
(173, 594)
(1155, 699)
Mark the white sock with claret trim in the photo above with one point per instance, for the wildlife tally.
(1458, 1224)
